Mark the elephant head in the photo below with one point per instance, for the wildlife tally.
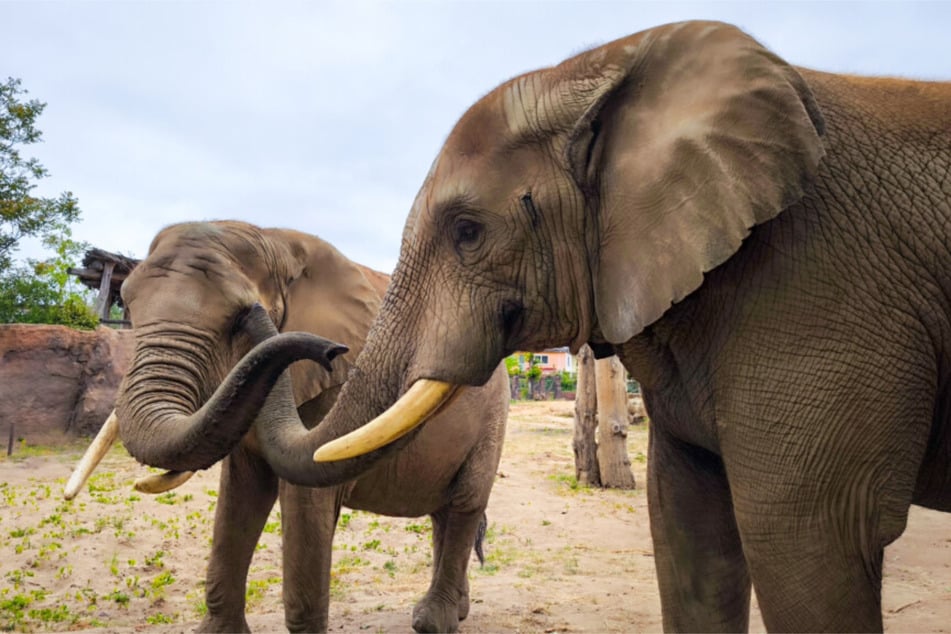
(204, 296)
(575, 204)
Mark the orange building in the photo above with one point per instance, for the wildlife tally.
(549, 361)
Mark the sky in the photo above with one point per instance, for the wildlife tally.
(325, 117)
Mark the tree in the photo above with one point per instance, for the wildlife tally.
(600, 434)
(585, 444)
(514, 370)
(38, 291)
(43, 292)
(21, 213)
(533, 373)
(613, 421)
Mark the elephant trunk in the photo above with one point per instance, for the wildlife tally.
(289, 447)
(162, 420)
(376, 381)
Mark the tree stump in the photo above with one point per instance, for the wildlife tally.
(615, 465)
(584, 443)
(516, 387)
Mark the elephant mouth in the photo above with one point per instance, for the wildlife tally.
(419, 403)
(424, 398)
(511, 321)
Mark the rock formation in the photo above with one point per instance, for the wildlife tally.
(57, 383)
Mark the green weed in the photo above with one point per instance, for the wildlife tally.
(158, 618)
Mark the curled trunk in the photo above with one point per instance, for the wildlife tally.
(374, 384)
(162, 421)
(289, 447)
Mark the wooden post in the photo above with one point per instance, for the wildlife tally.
(10, 441)
(586, 422)
(102, 302)
(612, 424)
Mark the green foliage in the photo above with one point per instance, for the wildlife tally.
(534, 367)
(21, 213)
(569, 381)
(42, 293)
(158, 618)
(512, 366)
(38, 291)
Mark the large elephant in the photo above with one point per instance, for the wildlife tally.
(767, 249)
(205, 294)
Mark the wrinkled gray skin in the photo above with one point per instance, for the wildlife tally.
(767, 249)
(190, 301)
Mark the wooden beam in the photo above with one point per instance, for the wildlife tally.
(104, 303)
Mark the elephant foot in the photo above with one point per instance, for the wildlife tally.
(307, 623)
(433, 614)
(212, 623)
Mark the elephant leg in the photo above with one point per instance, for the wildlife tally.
(246, 493)
(702, 574)
(815, 544)
(447, 601)
(840, 591)
(308, 520)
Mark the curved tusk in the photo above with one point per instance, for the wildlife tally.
(162, 482)
(419, 402)
(95, 452)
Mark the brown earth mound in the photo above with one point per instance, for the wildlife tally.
(58, 382)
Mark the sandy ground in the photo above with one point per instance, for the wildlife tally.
(560, 558)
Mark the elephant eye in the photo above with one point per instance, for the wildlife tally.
(467, 234)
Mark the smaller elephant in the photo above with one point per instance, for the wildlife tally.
(193, 302)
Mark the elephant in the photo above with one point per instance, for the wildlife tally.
(766, 249)
(206, 292)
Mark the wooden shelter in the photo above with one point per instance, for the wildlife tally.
(104, 272)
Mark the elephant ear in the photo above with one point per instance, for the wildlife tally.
(688, 136)
(329, 295)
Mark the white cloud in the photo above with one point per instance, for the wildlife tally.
(326, 116)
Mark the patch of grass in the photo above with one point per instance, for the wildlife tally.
(24, 450)
(348, 563)
(158, 618)
(21, 532)
(273, 528)
(17, 577)
(162, 580)
(119, 597)
(568, 483)
(155, 560)
(257, 588)
(58, 614)
(13, 610)
(423, 528)
(170, 498)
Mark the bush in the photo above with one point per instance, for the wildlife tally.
(43, 293)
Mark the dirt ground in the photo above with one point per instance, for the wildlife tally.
(559, 558)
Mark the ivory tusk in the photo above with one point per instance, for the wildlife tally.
(162, 482)
(419, 402)
(94, 454)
